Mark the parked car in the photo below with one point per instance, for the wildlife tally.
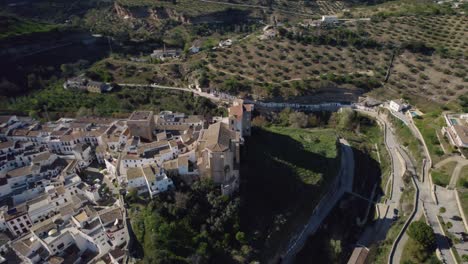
(395, 214)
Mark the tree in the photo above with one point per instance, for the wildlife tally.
(298, 120)
(83, 111)
(423, 234)
(240, 236)
(284, 116)
(132, 194)
(260, 121)
(313, 121)
(335, 250)
(346, 119)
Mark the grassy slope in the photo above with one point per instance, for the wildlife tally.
(429, 124)
(413, 252)
(366, 139)
(285, 171)
(442, 175)
(408, 140)
(463, 180)
(68, 102)
(13, 26)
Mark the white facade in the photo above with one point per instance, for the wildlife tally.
(396, 105)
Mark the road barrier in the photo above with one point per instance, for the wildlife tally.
(405, 226)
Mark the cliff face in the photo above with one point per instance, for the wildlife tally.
(147, 13)
(122, 12)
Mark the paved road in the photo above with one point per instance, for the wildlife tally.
(401, 162)
(327, 203)
(427, 200)
(379, 229)
(452, 215)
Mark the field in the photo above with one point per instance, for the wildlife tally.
(280, 167)
(289, 68)
(435, 78)
(282, 7)
(449, 32)
(400, 8)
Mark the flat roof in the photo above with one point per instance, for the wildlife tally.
(141, 115)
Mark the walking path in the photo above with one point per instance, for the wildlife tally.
(378, 231)
(327, 203)
(430, 204)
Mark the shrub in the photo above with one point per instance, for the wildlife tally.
(423, 234)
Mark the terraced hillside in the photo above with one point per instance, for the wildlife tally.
(447, 33)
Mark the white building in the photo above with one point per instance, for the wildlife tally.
(457, 129)
(330, 19)
(397, 105)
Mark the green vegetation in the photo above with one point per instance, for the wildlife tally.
(463, 194)
(428, 125)
(187, 7)
(340, 228)
(61, 102)
(195, 222)
(13, 26)
(415, 251)
(442, 175)
(402, 8)
(284, 173)
(407, 139)
(422, 233)
(463, 180)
